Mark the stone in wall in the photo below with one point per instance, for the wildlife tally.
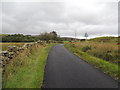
(12, 48)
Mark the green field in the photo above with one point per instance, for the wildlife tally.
(28, 71)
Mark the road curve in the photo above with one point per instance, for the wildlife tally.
(66, 70)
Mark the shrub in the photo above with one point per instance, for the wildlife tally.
(86, 48)
(73, 45)
(108, 56)
(60, 42)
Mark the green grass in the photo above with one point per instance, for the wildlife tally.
(28, 71)
(0, 78)
(65, 41)
(105, 66)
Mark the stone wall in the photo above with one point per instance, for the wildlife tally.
(13, 51)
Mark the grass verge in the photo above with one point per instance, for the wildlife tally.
(105, 66)
(27, 69)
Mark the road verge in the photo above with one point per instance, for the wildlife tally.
(27, 69)
(105, 66)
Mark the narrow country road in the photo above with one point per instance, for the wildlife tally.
(66, 70)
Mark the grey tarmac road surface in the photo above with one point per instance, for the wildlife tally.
(66, 70)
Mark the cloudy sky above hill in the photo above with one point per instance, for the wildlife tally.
(96, 17)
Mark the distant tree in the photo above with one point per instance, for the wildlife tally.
(49, 36)
(86, 35)
(53, 35)
(44, 36)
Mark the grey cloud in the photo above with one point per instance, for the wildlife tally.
(35, 18)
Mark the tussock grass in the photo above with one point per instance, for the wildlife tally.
(105, 66)
(27, 69)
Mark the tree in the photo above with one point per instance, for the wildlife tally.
(86, 35)
(53, 35)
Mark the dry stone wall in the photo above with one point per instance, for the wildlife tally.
(13, 51)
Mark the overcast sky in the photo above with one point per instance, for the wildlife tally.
(96, 17)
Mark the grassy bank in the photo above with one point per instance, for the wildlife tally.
(27, 69)
(104, 50)
(105, 66)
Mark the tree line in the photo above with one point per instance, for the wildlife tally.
(29, 38)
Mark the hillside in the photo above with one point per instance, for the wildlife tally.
(104, 39)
